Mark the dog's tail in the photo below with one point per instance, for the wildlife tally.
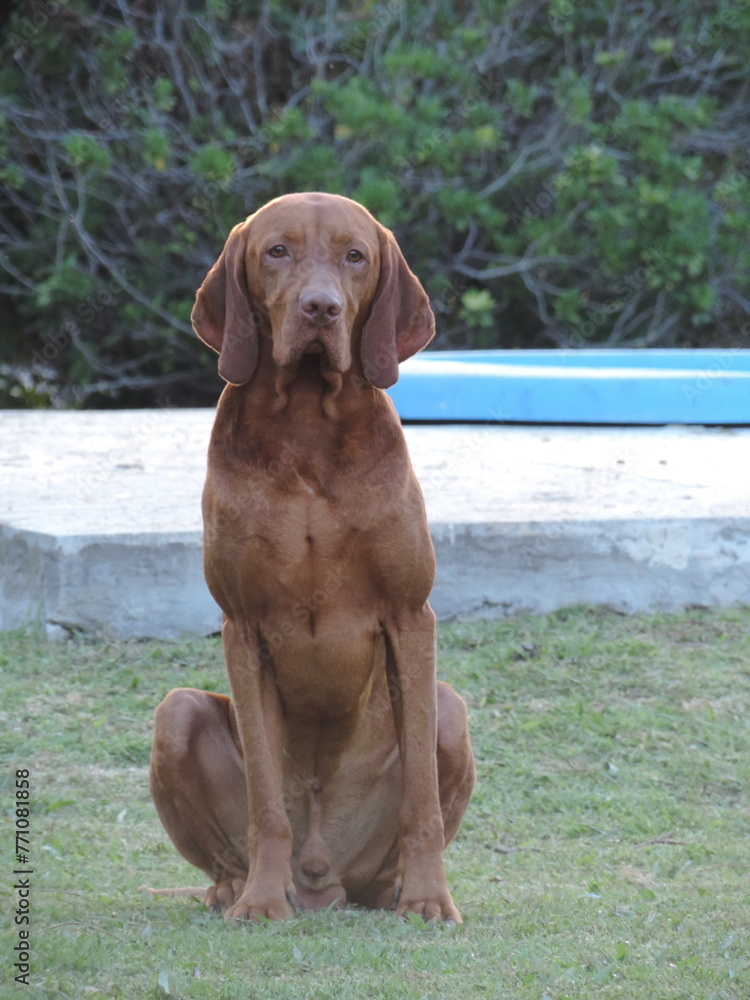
(197, 891)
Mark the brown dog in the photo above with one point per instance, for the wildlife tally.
(340, 769)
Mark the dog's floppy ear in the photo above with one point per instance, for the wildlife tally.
(223, 316)
(400, 321)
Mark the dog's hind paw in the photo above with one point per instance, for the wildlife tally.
(223, 895)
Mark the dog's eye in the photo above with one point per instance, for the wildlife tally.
(355, 256)
(278, 251)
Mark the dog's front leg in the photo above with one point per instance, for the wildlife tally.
(269, 887)
(421, 886)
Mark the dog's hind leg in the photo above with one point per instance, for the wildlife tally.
(197, 782)
(456, 769)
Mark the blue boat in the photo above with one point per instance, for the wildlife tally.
(589, 386)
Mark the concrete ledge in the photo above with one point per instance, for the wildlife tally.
(491, 570)
(124, 585)
(100, 523)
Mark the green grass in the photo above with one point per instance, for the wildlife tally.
(606, 851)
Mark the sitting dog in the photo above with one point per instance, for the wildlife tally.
(340, 768)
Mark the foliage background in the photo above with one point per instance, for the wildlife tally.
(558, 173)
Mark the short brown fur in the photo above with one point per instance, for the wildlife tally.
(341, 768)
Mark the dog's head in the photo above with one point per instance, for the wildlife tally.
(322, 276)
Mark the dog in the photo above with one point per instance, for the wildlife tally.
(340, 768)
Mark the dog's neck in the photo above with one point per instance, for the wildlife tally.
(309, 377)
(309, 374)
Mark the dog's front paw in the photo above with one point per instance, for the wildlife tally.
(262, 900)
(428, 896)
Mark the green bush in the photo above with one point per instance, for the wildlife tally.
(558, 173)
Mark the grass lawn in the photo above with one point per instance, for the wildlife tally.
(606, 852)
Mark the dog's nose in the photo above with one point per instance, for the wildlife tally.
(320, 307)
